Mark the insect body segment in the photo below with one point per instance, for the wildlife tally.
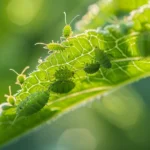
(53, 46)
(10, 98)
(63, 73)
(62, 86)
(63, 82)
(67, 31)
(102, 58)
(21, 77)
(32, 104)
(91, 68)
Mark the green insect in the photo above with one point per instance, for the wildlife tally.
(143, 44)
(10, 98)
(32, 104)
(21, 77)
(63, 82)
(53, 46)
(62, 86)
(63, 73)
(91, 68)
(67, 30)
(102, 58)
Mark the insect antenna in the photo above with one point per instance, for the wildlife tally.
(21, 72)
(9, 92)
(74, 18)
(25, 69)
(71, 20)
(14, 71)
(65, 18)
(40, 43)
(45, 45)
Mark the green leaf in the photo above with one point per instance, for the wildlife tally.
(107, 11)
(117, 41)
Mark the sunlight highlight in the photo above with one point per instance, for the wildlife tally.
(76, 139)
(24, 11)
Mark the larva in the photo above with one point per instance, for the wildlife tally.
(102, 58)
(62, 86)
(91, 68)
(32, 104)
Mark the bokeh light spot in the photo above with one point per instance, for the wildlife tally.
(76, 139)
(22, 12)
(124, 109)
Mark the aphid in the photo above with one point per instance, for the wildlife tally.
(91, 68)
(53, 46)
(10, 99)
(21, 77)
(102, 58)
(32, 104)
(67, 30)
(143, 44)
(63, 73)
(61, 87)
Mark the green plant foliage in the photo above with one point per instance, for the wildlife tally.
(107, 11)
(119, 44)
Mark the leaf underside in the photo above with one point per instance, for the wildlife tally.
(127, 66)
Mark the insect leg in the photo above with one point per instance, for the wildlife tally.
(62, 38)
(14, 71)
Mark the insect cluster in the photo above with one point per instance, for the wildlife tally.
(36, 101)
(67, 32)
(63, 78)
(11, 100)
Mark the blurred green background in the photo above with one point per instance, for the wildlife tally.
(118, 122)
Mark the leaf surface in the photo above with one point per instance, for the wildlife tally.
(118, 41)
